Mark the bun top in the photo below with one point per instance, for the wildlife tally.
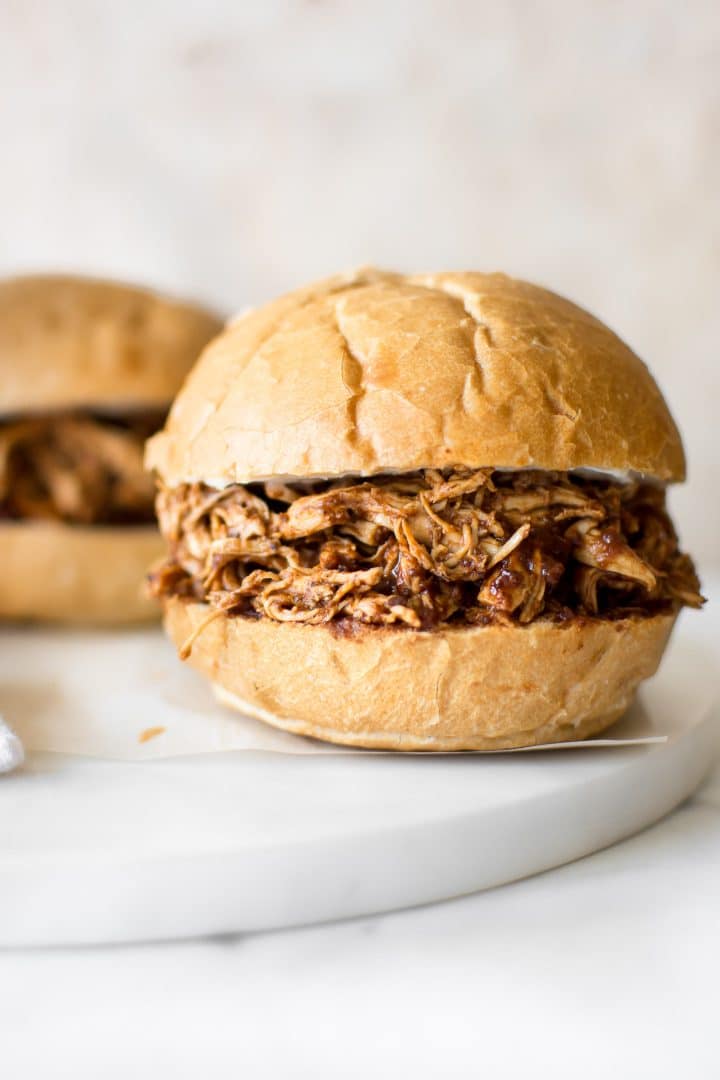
(376, 372)
(71, 342)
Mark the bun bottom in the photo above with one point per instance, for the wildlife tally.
(453, 688)
(76, 574)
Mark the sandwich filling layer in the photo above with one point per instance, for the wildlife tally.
(425, 548)
(79, 469)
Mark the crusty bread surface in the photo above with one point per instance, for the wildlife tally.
(452, 688)
(76, 574)
(72, 342)
(373, 372)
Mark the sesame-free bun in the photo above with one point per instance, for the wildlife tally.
(76, 573)
(73, 342)
(375, 372)
(452, 688)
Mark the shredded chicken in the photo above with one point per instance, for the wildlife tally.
(424, 548)
(76, 469)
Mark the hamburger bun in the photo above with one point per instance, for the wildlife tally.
(452, 688)
(377, 372)
(75, 342)
(76, 574)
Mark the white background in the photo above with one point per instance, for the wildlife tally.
(230, 150)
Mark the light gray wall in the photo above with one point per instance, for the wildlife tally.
(231, 150)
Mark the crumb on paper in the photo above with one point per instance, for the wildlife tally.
(12, 754)
(151, 733)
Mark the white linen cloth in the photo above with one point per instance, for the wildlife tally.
(12, 753)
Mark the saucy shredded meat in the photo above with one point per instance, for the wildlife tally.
(417, 550)
(77, 469)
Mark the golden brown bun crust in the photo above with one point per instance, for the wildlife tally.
(375, 371)
(453, 688)
(70, 342)
(70, 573)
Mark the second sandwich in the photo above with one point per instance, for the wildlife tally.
(87, 371)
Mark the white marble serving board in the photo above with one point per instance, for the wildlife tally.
(109, 851)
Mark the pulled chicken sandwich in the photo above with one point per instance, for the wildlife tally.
(421, 513)
(89, 369)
